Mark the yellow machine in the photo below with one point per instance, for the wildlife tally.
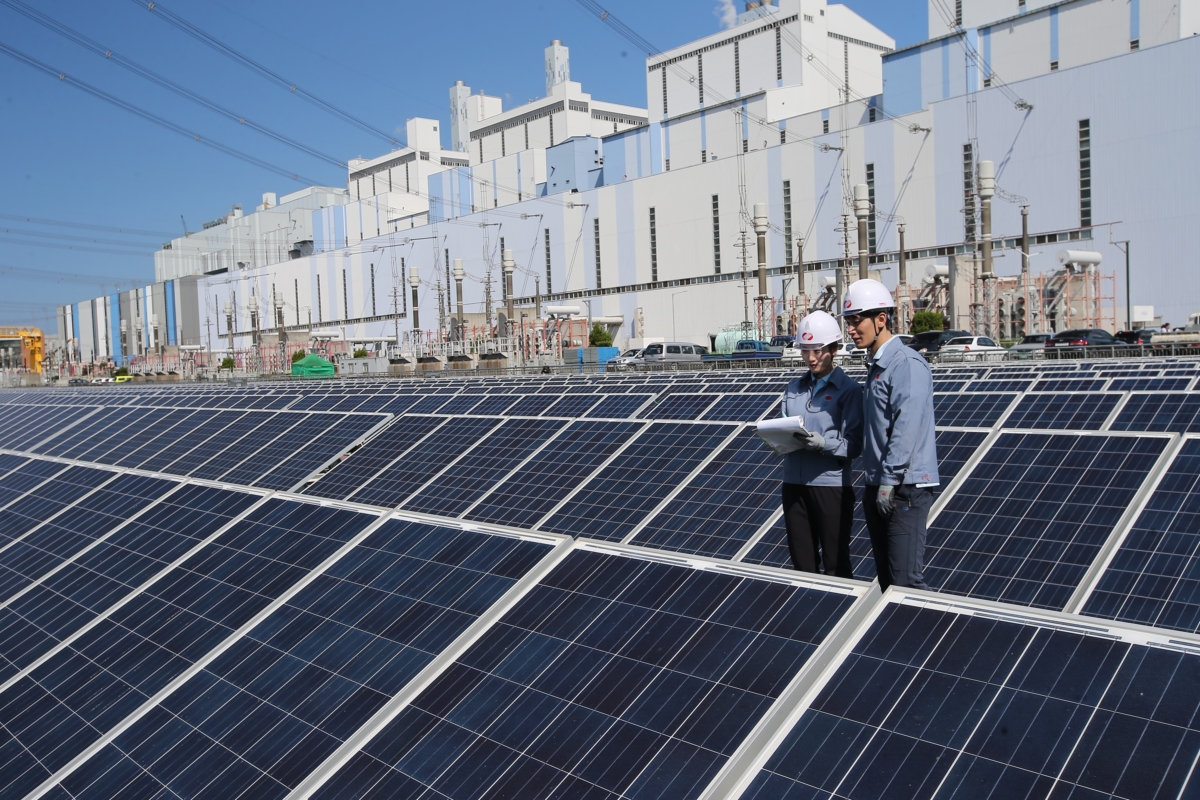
(22, 348)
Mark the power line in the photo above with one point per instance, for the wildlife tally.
(252, 65)
(106, 228)
(70, 238)
(150, 75)
(61, 277)
(78, 248)
(41, 66)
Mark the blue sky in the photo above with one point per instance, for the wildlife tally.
(67, 156)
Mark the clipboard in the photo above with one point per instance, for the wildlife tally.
(777, 434)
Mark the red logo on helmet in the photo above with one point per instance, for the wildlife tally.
(806, 336)
(848, 304)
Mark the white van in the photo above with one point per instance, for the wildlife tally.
(672, 352)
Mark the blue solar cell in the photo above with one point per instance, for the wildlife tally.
(974, 410)
(1063, 412)
(1027, 522)
(553, 472)
(202, 425)
(1178, 413)
(73, 441)
(60, 603)
(954, 449)
(229, 446)
(614, 677)
(610, 505)
(31, 425)
(622, 406)
(531, 405)
(462, 404)
(149, 438)
(86, 687)
(269, 444)
(473, 475)
(1154, 577)
(949, 386)
(47, 499)
(723, 506)
(999, 385)
(400, 403)
(265, 712)
(1069, 385)
(679, 405)
(366, 462)
(934, 703)
(25, 477)
(741, 407)
(494, 404)
(572, 405)
(428, 404)
(44, 548)
(392, 486)
(306, 459)
(1149, 384)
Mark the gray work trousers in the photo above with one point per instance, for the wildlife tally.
(898, 541)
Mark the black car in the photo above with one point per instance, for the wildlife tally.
(932, 341)
(1083, 337)
(1144, 336)
(77, 382)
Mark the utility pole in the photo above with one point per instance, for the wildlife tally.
(745, 286)
(987, 188)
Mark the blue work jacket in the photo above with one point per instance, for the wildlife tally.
(899, 442)
(835, 412)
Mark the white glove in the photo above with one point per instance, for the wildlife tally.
(885, 500)
(814, 442)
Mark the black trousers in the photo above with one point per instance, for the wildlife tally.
(818, 520)
(898, 541)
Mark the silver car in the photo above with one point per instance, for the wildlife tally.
(1031, 346)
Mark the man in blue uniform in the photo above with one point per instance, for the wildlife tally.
(899, 445)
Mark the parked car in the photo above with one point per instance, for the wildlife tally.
(932, 341)
(124, 378)
(77, 382)
(672, 352)
(1031, 346)
(972, 348)
(1144, 336)
(627, 360)
(1083, 337)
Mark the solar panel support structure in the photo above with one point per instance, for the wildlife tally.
(757, 536)
(211, 655)
(317, 778)
(1117, 409)
(1110, 547)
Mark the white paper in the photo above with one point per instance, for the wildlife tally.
(777, 433)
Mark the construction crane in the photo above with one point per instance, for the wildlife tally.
(22, 348)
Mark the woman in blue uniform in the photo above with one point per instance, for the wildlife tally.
(818, 492)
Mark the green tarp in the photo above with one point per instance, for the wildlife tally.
(312, 366)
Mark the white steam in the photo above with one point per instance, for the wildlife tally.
(726, 12)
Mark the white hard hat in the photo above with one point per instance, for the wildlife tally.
(866, 295)
(817, 330)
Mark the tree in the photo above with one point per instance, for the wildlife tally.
(228, 363)
(120, 371)
(298, 355)
(599, 336)
(927, 321)
(361, 353)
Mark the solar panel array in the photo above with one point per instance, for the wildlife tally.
(579, 586)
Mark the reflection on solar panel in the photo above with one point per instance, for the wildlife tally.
(63, 601)
(93, 682)
(1070, 385)
(469, 478)
(954, 449)
(268, 709)
(723, 506)
(1154, 577)
(976, 410)
(342, 433)
(395, 483)
(610, 505)
(682, 405)
(370, 459)
(614, 677)
(1026, 523)
(27, 429)
(1063, 412)
(1160, 412)
(553, 472)
(740, 407)
(622, 406)
(936, 703)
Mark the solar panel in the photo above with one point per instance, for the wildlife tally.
(202, 425)
(976, 410)
(1153, 577)
(70, 442)
(622, 406)
(740, 407)
(462, 404)
(723, 506)
(149, 431)
(266, 711)
(306, 459)
(393, 441)
(1178, 413)
(272, 447)
(92, 682)
(469, 478)
(61, 602)
(25, 477)
(1063, 412)
(610, 505)
(428, 404)
(613, 677)
(395, 483)
(553, 472)
(948, 386)
(572, 405)
(494, 405)
(1070, 385)
(1026, 523)
(48, 498)
(231, 445)
(937, 703)
(31, 425)
(531, 405)
(954, 449)
(681, 405)
(112, 435)
(999, 385)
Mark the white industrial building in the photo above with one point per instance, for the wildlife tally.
(1087, 109)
